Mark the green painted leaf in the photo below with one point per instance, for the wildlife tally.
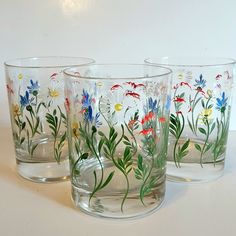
(101, 133)
(84, 156)
(198, 147)
(100, 144)
(201, 130)
(140, 162)
(210, 106)
(114, 137)
(112, 131)
(208, 147)
(94, 129)
(108, 180)
(172, 127)
(23, 125)
(22, 140)
(185, 145)
(127, 152)
(203, 103)
(212, 127)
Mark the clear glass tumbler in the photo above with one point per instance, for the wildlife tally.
(118, 118)
(200, 114)
(36, 100)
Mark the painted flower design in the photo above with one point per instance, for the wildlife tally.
(221, 103)
(206, 115)
(16, 110)
(200, 83)
(33, 88)
(87, 110)
(55, 93)
(25, 100)
(152, 105)
(168, 103)
(75, 129)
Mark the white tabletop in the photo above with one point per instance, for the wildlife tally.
(28, 208)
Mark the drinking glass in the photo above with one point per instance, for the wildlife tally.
(200, 115)
(36, 100)
(117, 133)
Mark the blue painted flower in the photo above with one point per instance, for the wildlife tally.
(86, 99)
(200, 83)
(221, 103)
(152, 105)
(88, 114)
(168, 103)
(87, 109)
(96, 120)
(33, 88)
(24, 100)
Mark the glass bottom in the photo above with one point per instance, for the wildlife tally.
(108, 201)
(47, 172)
(193, 172)
(193, 166)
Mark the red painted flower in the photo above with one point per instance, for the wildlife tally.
(185, 83)
(9, 89)
(134, 85)
(67, 104)
(146, 131)
(147, 117)
(132, 94)
(116, 86)
(162, 119)
(178, 99)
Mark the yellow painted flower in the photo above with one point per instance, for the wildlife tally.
(99, 84)
(16, 110)
(180, 75)
(20, 76)
(207, 112)
(118, 107)
(209, 93)
(53, 93)
(75, 129)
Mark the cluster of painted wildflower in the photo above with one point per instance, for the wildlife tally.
(134, 135)
(28, 114)
(197, 98)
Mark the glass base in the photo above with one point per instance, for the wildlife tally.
(111, 202)
(103, 207)
(48, 172)
(193, 172)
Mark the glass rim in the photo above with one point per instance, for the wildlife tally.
(14, 62)
(71, 74)
(157, 61)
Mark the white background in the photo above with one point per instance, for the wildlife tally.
(115, 31)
